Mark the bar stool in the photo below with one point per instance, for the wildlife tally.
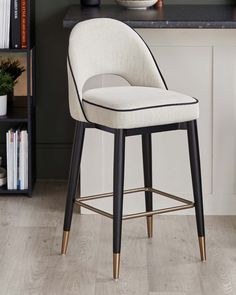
(106, 46)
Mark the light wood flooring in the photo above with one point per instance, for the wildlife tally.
(30, 260)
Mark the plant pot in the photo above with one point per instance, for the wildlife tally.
(3, 105)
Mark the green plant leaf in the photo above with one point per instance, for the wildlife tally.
(12, 67)
(6, 83)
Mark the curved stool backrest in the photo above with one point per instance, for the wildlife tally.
(107, 46)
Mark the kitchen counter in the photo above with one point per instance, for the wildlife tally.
(169, 16)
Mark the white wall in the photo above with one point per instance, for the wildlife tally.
(201, 63)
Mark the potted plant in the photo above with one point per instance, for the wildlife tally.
(14, 69)
(6, 86)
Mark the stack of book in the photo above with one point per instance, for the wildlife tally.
(13, 24)
(17, 159)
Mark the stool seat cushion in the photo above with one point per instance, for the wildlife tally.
(126, 107)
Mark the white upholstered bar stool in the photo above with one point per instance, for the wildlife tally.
(107, 46)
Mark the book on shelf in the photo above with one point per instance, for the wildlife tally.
(10, 144)
(17, 159)
(23, 24)
(5, 19)
(13, 24)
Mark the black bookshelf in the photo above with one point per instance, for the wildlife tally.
(22, 110)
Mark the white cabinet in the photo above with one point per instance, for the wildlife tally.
(200, 63)
(187, 69)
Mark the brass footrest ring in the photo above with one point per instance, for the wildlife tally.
(187, 204)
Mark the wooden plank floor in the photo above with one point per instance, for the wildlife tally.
(30, 261)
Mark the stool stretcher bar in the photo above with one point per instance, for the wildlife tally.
(187, 204)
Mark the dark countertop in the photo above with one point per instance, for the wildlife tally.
(170, 16)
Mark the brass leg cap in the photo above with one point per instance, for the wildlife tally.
(64, 244)
(116, 266)
(150, 226)
(202, 246)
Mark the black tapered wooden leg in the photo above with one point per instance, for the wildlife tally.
(73, 181)
(118, 188)
(147, 169)
(197, 183)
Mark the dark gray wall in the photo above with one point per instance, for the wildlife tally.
(54, 125)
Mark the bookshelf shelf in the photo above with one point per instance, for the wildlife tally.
(22, 110)
(16, 115)
(17, 112)
(20, 50)
(5, 191)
